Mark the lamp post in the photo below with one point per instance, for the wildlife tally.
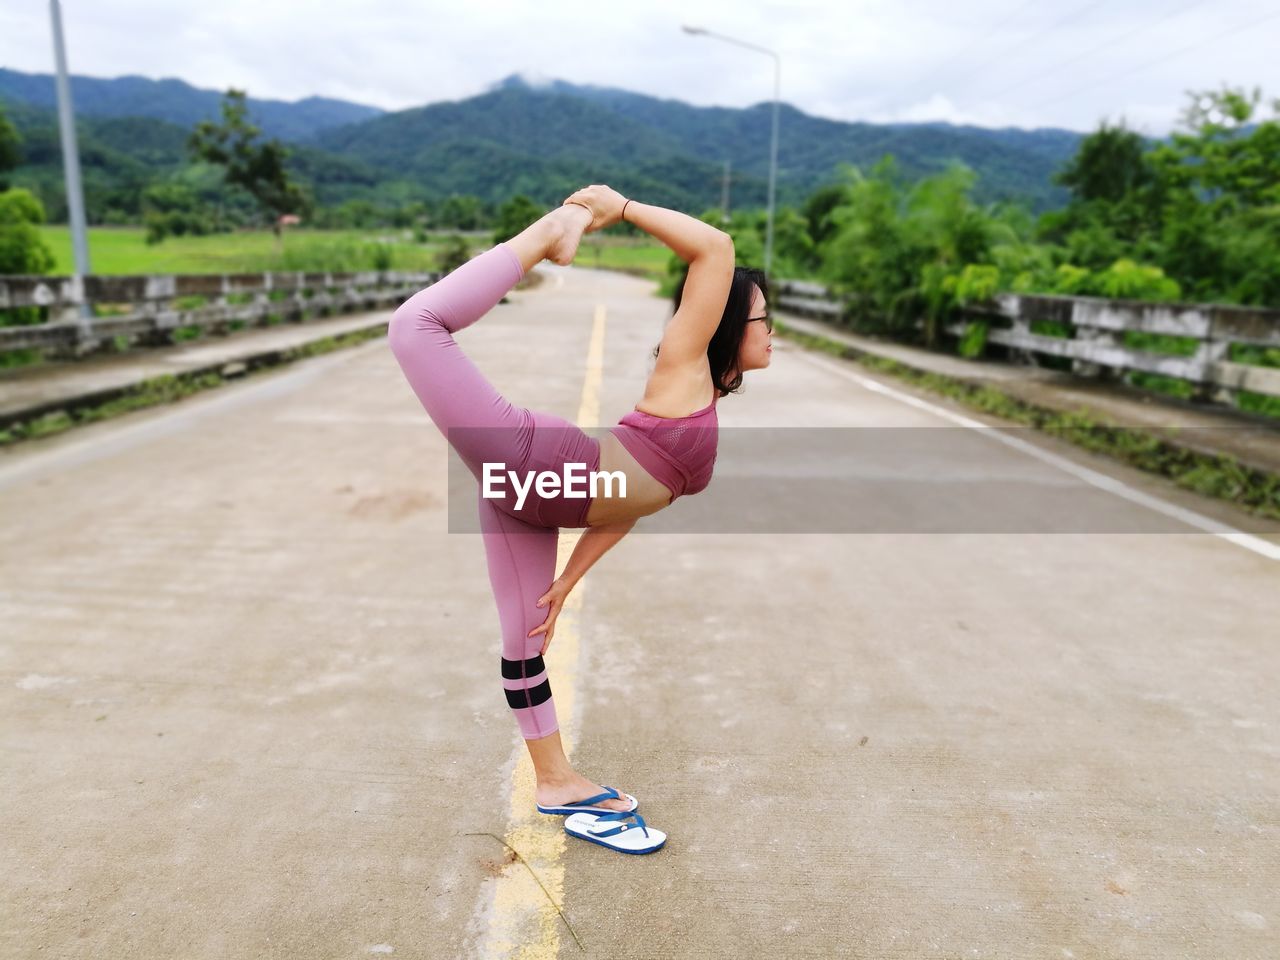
(773, 150)
(71, 167)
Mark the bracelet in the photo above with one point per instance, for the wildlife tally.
(623, 215)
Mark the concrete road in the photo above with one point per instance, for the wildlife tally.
(251, 704)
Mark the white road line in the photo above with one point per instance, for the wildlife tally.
(1100, 480)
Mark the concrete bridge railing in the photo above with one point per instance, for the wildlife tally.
(1098, 326)
(156, 305)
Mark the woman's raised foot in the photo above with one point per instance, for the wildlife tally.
(570, 221)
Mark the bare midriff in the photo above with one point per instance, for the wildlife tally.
(645, 493)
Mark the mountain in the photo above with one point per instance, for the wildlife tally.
(540, 136)
(590, 134)
(178, 102)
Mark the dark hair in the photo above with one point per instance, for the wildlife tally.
(722, 350)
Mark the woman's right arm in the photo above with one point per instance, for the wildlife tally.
(709, 253)
(711, 257)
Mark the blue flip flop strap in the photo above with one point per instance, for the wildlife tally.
(609, 794)
(620, 815)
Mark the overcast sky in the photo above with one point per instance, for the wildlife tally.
(993, 63)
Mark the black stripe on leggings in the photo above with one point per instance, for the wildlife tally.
(518, 669)
(529, 698)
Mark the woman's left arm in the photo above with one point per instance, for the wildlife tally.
(592, 545)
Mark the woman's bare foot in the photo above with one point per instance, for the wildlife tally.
(579, 788)
(571, 221)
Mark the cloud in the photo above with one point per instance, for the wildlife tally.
(989, 62)
(938, 107)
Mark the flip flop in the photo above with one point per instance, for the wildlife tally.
(585, 806)
(608, 831)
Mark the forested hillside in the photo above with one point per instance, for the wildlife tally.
(543, 142)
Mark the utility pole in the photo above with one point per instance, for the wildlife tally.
(724, 196)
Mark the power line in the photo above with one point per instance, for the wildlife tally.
(966, 48)
(1169, 56)
(1033, 78)
(1035, 36)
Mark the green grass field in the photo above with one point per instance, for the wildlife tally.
(122, 250)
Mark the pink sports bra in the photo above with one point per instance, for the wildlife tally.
(680, 452)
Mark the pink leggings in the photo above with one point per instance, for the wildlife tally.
(483, 426)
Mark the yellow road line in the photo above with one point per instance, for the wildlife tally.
(523, 925)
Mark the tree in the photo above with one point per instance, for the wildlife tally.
(453, 253)
(257, 168)
(1115, 197)
(174, 208)
(1109, 165)
(463, 212)
(514, 215)
(820, 203)
(1220, 198)
(1203, 205)
(10, 150)
(22, 249)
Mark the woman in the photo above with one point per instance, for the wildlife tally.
(657, 452)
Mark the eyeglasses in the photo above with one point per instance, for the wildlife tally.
(768, 321)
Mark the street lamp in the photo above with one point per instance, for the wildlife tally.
(773, 150)
(71, 167)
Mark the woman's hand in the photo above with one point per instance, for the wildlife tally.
(605, 205)
(553, 599)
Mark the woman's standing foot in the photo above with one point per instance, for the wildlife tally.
(558, 793)
(557, 782)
